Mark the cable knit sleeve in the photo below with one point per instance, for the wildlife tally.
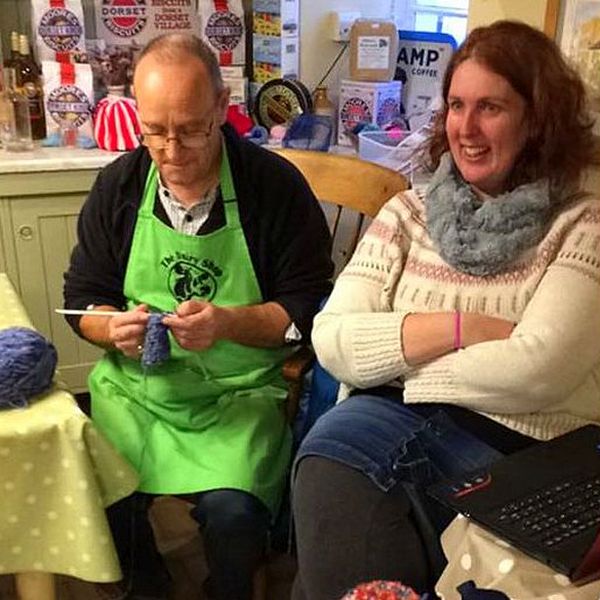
(357, 336)
(553, 350)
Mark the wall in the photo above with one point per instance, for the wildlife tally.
(317, 51)
(482, 12)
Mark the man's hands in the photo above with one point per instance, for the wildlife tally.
(126, 330)
(197, 325)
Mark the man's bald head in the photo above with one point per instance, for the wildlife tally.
(175, 48)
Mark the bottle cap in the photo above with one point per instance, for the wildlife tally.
(23, 45)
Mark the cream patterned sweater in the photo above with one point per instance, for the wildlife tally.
(542, 381)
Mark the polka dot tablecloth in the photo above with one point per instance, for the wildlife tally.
(57, 474)
(474, 553)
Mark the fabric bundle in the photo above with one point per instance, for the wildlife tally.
(116, 122)
(27, 364)
(156, 342)
(382, 590)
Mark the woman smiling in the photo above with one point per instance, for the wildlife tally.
(467, 324)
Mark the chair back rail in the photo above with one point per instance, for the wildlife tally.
(351, 185)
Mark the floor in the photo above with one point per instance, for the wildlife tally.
(179, 542)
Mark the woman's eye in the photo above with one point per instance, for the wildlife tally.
(454, 105)
(490, 108)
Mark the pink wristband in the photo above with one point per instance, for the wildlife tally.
(457, 330)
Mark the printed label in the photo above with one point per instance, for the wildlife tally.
(124, 18)
(224, 31)
(60, 29)
(355, 111)
(373, 52)
(69, 104)
(388, 110)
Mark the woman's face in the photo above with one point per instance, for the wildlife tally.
(486, 126)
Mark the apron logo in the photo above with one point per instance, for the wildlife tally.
(190, 277)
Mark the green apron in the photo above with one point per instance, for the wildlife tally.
(202, 420)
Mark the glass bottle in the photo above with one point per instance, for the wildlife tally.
(324, 107)
(12, 60)
(30, 83)
(16, 129)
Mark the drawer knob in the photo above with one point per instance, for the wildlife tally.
(26, 232)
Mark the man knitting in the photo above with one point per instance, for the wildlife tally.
(229, 238)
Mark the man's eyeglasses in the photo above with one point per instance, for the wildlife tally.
(192, 140)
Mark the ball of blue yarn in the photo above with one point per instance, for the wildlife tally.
(27, 364)
(156, 343)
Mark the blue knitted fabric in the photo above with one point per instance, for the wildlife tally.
(27, 364)
(156, 343)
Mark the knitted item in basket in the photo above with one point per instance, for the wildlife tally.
(381, 590)
(116, 121)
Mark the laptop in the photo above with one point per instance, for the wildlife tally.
(544, 500)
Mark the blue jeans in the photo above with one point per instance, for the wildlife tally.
(390, 443)
(388, 528)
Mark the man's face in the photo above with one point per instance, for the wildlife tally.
(178, 101)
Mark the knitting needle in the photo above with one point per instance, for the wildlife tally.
(95, 313)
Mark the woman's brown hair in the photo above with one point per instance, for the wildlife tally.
(560, 144)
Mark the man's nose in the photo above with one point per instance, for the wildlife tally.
(173, 147)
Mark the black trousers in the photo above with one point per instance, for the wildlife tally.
(234, 527)
(378, 539)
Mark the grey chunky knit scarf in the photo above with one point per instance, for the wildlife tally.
(482, 237)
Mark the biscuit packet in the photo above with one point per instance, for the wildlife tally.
(58, 30)
(222, 27)
(68, 102)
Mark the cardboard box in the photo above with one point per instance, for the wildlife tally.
(366, 102)
(284, 8)
(276, 25)
(238, 89)
(232, 71)
(276, 17)
(274, 57)
(373, 50)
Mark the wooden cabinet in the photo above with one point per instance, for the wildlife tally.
(38, 218)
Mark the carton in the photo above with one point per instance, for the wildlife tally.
(274, 58)
(373, 50)
(276, 17)
(366, 102)
(275, 25)
(238, 89)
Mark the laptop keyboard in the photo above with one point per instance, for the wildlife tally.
(553, 515)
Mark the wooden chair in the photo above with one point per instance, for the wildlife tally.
(350, 190)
